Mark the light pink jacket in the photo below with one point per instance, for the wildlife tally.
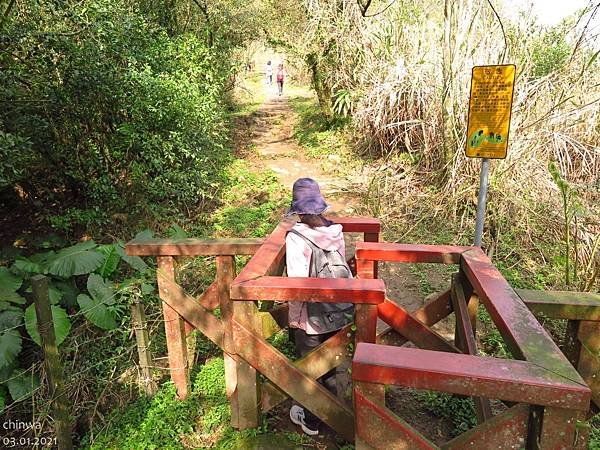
(298, 255)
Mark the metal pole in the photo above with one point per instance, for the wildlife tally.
(483, 185)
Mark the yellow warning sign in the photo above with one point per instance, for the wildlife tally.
(490, 105)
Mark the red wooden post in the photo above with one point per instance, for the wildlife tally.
(467, 343)
(366, 331)
(174, 329)
(589, 357)
(224, 278)
(560, 429)
(246, 395)
(372, 237)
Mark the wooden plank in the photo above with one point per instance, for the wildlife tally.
(436, 309)
(467, 340)
(358, 224)
(467, 375)
(409, 253)
(209, 301)
(372, 237)
(301, 289)
(389, 336)
(52, 364)
(560, 430)
(412, 328)
(366, 323)
(192, 247)
(366, 315)
(589, 357)
(248, 384)
(270, 396)
(381, 429)
(506, 431)
(295, 383)
(185, 306)
(521, 331)
(210, 298)
(174, 327)
(562, 304)
(571, 346)
(224, 278)
(138, 317)
(330, 354)
(268, 257)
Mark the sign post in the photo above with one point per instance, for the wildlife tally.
(490, 106)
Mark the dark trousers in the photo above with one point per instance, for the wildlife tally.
(280, 86)
(304, 344)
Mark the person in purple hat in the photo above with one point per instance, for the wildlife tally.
(312, 323)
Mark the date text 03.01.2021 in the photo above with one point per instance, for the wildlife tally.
(28, 442)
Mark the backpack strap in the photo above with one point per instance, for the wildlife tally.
(312, 271)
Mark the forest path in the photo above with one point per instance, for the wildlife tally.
(270, 136)
(277, 150)
(274, 148)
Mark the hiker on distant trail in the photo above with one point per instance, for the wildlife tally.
(280, 77)
(314, 247)
(269, 73)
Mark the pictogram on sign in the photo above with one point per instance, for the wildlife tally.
(490, 106)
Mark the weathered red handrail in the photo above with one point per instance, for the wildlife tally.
(512, 380)
(192, 247)
(544, 378)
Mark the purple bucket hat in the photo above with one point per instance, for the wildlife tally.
(307, 198)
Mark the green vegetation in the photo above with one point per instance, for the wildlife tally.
(118, 117)
(595, 433)
(461, 411)
(252, 202)
(121, 117)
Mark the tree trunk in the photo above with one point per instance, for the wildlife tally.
(320, 85)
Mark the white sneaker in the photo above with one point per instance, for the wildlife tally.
(297, 416)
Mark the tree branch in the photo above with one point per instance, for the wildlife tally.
(502, 28)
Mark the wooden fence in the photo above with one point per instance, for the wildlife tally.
(548, 398)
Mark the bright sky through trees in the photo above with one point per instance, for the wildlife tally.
(548, 12)
(551, 12)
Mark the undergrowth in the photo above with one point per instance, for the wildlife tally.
(165, 422)
(461, 411)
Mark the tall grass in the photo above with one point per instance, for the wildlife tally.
(409, 108)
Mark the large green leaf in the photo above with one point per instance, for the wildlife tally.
(75, 260)
(69, 292)
(9, 281)
(176, 232)
(144, 234)
(134, 261)
(10, 346)
(10, 319)
(37, 263)
(100, 290)
(9, 296)
(111, 261)
(5, 372)
(27, 265)
(22, 384)
(2, 400)
(62, 324)
(54, 294)
(96, 312)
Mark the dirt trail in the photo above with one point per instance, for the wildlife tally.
(271, 132)
(278, 151)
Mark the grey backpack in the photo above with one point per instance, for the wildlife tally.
(326, 317)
